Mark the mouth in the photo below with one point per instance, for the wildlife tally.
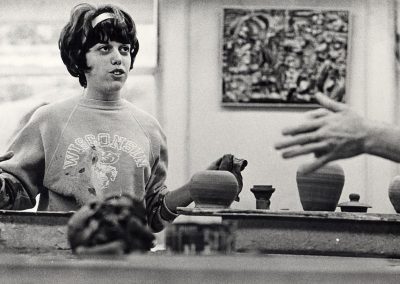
(118, 72)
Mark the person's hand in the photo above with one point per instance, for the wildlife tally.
(6, 156)
(229, 162)
(215, 164)
(4, 197)
(330, 133)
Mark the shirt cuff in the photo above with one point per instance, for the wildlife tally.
(165, 213)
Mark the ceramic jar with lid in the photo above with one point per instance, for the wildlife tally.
(354, 205)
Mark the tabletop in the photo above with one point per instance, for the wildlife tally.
(161, 267)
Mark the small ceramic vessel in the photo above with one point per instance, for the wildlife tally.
(213, 189)
(321, 189)
(262, 193)
(354, 205)
(394, 193)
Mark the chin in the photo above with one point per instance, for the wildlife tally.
(116, 86)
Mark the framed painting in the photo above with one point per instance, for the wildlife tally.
(281, 57)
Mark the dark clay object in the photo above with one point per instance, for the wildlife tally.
(117, 220)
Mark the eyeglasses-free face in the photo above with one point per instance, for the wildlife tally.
(109, 66)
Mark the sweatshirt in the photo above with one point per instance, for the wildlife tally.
(78, 149)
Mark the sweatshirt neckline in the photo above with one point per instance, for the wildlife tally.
(100, 104)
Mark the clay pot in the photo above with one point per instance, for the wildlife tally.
(394, 193)
(213, 189)
(321, 189)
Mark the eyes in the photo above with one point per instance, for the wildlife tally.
(124, 49)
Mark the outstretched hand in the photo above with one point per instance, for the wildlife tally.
(330, 133)
(6, 156)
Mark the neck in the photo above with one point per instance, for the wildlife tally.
(102, 95)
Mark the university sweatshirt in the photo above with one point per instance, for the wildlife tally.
(78, 149)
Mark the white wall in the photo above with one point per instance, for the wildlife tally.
(200, 130)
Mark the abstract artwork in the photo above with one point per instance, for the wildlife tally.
(281, 57)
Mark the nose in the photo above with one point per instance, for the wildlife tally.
(116, 58)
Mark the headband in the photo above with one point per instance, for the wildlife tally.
(102, 17)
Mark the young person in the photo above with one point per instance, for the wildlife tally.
(95, 144)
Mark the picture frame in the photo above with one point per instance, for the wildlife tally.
(282, 57)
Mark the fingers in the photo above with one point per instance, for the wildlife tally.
(303, 127)
(313, 121)
(215, 165)
(6, 156)
(316, 164)
(300, 139)
(318, 113)
(328, 103)
(320, 147)
(339, 90)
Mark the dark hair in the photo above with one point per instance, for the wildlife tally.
(78, 36)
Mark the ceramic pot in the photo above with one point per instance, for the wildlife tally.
(213, 189)
(394, 193)
(321, 189)
(262, 193)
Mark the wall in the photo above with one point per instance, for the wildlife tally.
(200, 130)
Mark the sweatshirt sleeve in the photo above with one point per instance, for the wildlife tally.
(156, 188)
(21, 177)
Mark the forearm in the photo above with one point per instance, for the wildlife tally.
(163, 211)
(179, 197)
(383, 140)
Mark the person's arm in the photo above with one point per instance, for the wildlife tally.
(21, 176)
(228, 162)
(179, 197)
(161, 203)
(159, 214)
(383, 140)
(337, 132)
